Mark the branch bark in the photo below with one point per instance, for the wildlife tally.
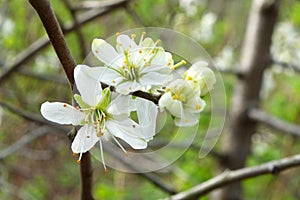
(255, 57)
(53, 29)
(273, 122)
(273, 167)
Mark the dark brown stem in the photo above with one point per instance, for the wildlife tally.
(86, 172)
(48, 18)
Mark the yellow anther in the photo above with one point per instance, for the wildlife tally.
(106, 171)
(120, 44)
(126, 154)
(65, 105)
(140, 51)
(97, 51)
(153, 52)
(198, 107)
(158, 41)
(78, 161)
(75, 154)
(117, 33)
(144, 33)
(133, 36)
(99, 134)
(189, 78)
(113, 81)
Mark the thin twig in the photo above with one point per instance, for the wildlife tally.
(53, 29)
(48, 77)
(149, 176)
(273, 167)
(32, 117)
(30, 52)
(29, 137)
(78, 31)
(273, 122)
(287, 65)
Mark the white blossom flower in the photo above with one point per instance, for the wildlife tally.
(102, 115)
(133, 66)
(200, 77)
(181, 102)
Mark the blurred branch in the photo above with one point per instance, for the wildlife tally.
(47, 77)
(135, 16)
(223, 179)
(53, 29)
(29, 137)
(149, 176)
(158, 144)
(32, 117)
(78, 31)
(236, 72)
(43, 42)
(286, 65)
(273, 122)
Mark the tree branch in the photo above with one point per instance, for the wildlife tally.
(273, 167)
(36, 133)
(286, 65)
(273, 122)
(53, 29)
(43, 42)
(32, 117)
(149, 176)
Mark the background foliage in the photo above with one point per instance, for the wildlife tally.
(45, 169)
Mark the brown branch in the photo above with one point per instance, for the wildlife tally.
(273, 167)
(53, 29)
(30, 52)
(286, 65)
(273, 122)
(48, 18)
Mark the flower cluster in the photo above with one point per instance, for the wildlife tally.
(107, 94)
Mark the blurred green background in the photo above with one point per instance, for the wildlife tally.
(45, 169)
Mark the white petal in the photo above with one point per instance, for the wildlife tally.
(85, 139)
(147, 115)
(129, 131)
(195, 105)
(111, 77)
(121, 105)
(89, 88)
(105, 52)
(124, 42)
(61, 113)
(128, 87)
(175, 107)
(154, 78)
(187, 119)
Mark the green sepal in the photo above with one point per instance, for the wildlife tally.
(81, 103)
(105, 99)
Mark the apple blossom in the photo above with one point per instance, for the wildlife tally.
(102, 115)
(200, 77)
(182, 103)
(133, 66)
